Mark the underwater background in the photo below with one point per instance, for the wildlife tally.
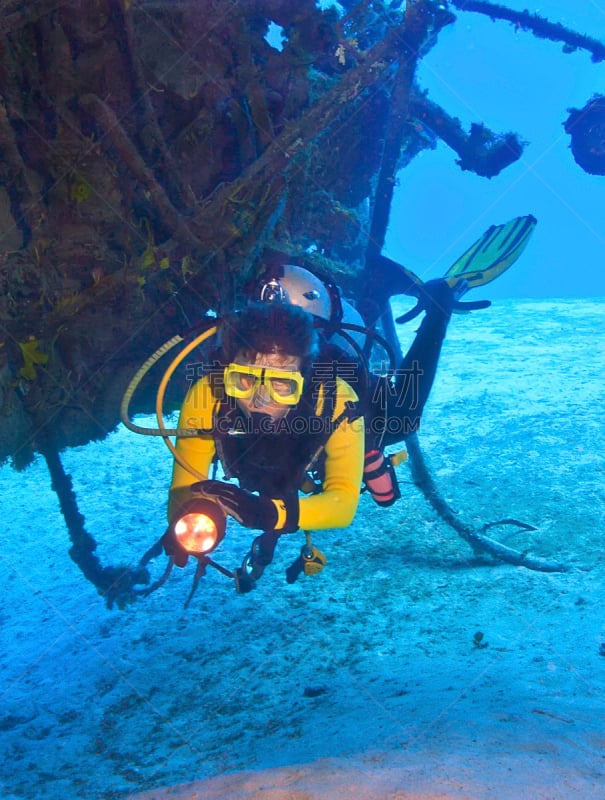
(411, 666)
(408, 665)
(490, 70)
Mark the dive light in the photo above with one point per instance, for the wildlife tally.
(200, 527)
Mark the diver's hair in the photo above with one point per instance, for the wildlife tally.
(270, 328)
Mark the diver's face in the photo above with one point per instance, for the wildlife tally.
(261, 401)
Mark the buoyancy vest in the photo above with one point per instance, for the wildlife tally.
(274, 458)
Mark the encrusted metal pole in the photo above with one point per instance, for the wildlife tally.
(115, 584)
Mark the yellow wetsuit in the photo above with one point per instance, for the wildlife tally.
(333, 507)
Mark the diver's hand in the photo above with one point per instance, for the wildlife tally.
(434, 296)
(173, 548)
(439, 297)
(251, 510)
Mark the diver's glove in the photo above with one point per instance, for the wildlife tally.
(252, 510)
(173, 548)
(439, 296)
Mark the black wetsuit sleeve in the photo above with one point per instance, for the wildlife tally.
(397, 405)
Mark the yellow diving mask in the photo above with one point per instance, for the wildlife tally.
(283, 385)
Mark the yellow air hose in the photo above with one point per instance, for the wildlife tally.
(162, 430)
(134, 384)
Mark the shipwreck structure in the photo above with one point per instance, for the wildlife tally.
(154, 152)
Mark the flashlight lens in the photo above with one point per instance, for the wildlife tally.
(196, 533)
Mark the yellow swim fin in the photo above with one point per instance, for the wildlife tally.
(493, 253)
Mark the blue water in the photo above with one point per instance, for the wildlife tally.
(409, 650)
(491, 72)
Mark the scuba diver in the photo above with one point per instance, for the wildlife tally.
(289, 407)
(278, 416)
(271, 416)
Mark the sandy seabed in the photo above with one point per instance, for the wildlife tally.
(410, 668)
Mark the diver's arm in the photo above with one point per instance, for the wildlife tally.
(415, 375)
(198, 451)
(336, 505)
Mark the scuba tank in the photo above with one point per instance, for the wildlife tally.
(380, 479)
